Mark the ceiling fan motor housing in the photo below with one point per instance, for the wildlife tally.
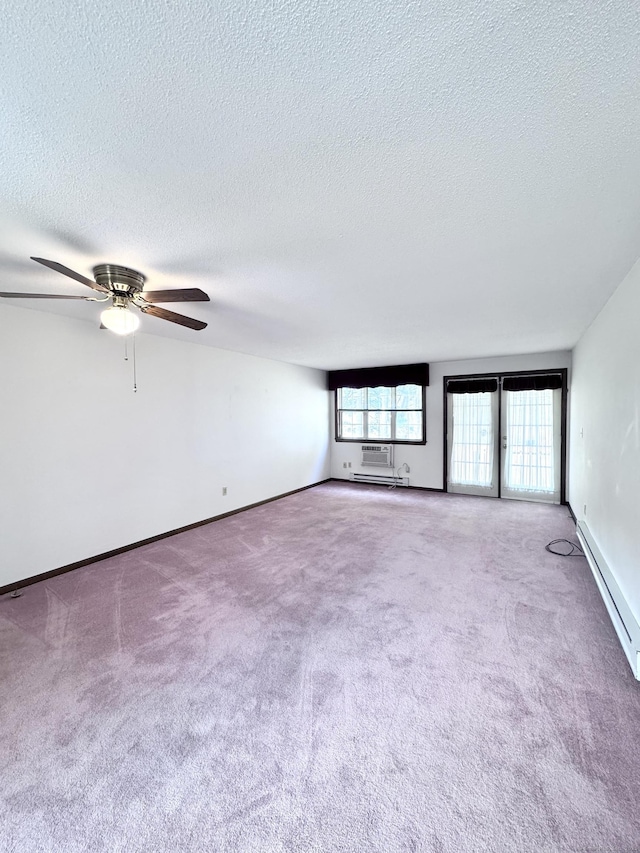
(119, 279)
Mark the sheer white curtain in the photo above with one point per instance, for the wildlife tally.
(529, 459)
(473, 441)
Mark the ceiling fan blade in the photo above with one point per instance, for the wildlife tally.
(41, 296)
(75, 275)
(172, 317)
(187, 294)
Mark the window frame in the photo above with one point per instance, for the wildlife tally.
(364, 439)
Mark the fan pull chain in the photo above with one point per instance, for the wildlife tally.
(135, 384)
(126, 354)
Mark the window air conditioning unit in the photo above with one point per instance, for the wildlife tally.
(378, 455)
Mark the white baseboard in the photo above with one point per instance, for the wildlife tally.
(623, 620)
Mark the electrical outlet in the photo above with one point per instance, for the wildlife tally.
(344, 464)
(584, 509)
(349, 464)
(406, 468)
(224, 491)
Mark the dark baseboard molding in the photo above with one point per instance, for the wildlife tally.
(573, 515)
(385, 486)
(99, 557)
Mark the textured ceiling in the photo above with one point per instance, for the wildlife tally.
(352, 183)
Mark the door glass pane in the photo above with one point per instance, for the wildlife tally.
(382, 398)
(351, 425)
(379, 425)
(529, 458)
(409, 426)
(473, 440)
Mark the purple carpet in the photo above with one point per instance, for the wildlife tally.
(347, 669)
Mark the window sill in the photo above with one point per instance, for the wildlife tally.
(379, 441)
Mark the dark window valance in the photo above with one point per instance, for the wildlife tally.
(472, 386)
(376, 377)
(532, 383)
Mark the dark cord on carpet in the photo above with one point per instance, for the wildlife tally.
(575, 550)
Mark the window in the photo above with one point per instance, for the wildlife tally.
(395, 414)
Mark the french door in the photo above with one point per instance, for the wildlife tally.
(504, 436)
(474, 443)
(530, 437)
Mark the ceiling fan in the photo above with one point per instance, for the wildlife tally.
(123, 287)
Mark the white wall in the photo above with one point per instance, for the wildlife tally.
(426, 461)
(87, 466)
(605, 435)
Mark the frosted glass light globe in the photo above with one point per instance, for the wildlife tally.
(122, 321)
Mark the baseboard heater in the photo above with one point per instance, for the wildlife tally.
(376, 478)
(624, 621)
